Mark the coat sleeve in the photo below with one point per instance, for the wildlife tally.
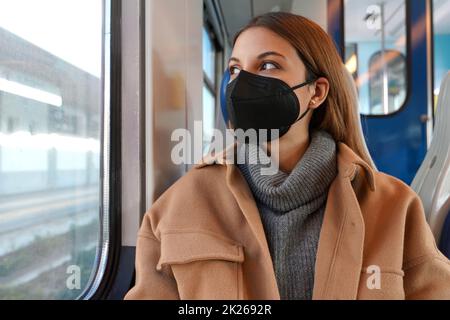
(427, 270)
(151, 284)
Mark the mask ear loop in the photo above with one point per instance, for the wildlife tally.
(301, 86)
(303, 115)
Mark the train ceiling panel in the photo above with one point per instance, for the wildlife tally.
(237, 13)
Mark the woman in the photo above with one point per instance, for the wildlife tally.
(325, 226)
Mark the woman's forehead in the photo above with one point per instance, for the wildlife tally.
(257, 40)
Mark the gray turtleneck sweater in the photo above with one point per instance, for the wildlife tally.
(292, 207)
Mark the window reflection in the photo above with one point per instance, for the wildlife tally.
(375, 36)
(209, 57)
(209, 88)
(392, 64)
(50, 129)
(209, 116)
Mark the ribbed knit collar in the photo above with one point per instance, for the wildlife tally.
(307, 185)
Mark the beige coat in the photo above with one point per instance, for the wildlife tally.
(203, 239)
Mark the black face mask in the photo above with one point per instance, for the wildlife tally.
(257, 102)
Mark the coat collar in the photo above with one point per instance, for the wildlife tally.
(348, 162)
(340, 252)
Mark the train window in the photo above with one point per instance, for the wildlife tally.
(375, 43)
(51, 106)
(441, 19)
(396, 70)
(209, 88)
(209, 104)
(209, 56)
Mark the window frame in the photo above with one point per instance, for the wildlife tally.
(110, 240)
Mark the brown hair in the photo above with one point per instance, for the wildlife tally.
(338, 115)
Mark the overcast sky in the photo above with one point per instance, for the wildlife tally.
(69, 29)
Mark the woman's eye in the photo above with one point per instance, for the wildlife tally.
(269, 66)
(234, 70)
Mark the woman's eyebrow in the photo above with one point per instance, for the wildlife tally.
(270, 53)
(261, 56)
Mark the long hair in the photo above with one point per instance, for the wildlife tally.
(338, 115)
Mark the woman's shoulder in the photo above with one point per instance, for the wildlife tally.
(192, 192)
(197, 201)
(391, 187)
(197, 182)
(204, 177)
(381, 184)
(393, 202)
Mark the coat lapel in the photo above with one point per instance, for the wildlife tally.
(340, 253)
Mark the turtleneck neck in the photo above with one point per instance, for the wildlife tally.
(306, 185)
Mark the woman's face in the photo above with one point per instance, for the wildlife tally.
(261, 51)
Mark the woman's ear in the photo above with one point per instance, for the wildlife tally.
(320, 93)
